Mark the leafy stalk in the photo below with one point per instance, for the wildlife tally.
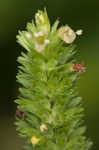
(49, 111)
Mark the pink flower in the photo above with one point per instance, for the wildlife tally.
(79, 67)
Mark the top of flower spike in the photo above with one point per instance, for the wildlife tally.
(39, 32)
(42, 21)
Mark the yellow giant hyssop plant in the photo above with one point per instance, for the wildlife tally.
(49, 114)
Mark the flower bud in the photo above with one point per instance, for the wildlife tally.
(42, 21)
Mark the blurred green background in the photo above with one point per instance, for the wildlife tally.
(79, 14)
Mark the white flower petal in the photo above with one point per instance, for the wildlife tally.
(79, 32)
